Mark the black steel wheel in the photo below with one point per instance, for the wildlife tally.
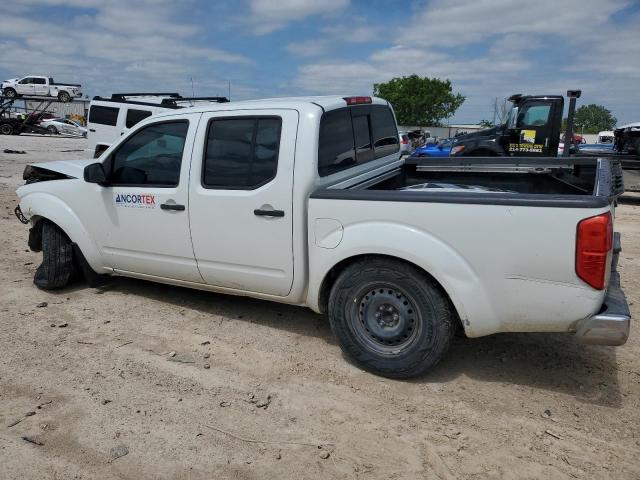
(390, 317)
(385, 318)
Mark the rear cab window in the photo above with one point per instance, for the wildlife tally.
(355, 135)
(103, 115)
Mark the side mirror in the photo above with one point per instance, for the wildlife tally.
(94, 173)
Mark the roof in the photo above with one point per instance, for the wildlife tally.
(329, 102)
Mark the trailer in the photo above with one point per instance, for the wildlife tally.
(28, 120)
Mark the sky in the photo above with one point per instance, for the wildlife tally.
(267, 48)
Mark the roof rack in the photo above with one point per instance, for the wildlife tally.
(189, 99)
(122, 96)
(170, 102)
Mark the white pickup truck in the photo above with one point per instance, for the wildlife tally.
(36, 86)
(305, 201)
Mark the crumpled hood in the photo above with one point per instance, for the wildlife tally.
(71, 168)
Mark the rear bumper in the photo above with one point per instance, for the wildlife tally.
(611, 325)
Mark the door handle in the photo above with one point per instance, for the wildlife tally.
(268, 213)
(172, 206)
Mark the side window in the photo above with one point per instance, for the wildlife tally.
(336, 144)
(135, 116)
(39, 81)
(103, 115)
(534, 116)
(151, 156)
(241, 153)
(26, 81)
(385, 131)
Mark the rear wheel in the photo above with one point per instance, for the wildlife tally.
(6, 129)
(64, 97)
(57, 267)
(391, 318)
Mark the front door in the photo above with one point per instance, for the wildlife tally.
(25, 86)
(532, 136)
(142, 216)
(240, 207)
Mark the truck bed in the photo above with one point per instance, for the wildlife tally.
(576, 181)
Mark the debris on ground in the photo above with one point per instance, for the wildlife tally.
(32, 440)
(119, 451)
(20, 152)
(42, 305)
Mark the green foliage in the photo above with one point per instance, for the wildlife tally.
(486, 124)
(593, 119)
(420, 100)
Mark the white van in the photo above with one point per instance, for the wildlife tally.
(109, 118)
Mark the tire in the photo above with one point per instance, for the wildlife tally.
(57, 267)
(6, 129)
(52, 130)
(64, 97)
(404, 331)
(10, 93)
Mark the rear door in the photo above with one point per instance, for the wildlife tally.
(40, 86)
(240, 203)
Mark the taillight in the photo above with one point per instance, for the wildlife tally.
(593, 243)
(357, 100)
(405, 140)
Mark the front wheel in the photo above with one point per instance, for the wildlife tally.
(391, 318)
(52, 130)
(6, 129)
(64, 97)
(57, 267)
(10, 93)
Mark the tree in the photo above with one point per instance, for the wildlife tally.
(486, 124)
(593, 119)
(419, 100)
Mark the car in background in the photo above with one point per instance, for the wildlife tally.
(440, 149)
(63, 126)
(405, 143)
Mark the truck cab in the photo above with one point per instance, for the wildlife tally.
(531, 130)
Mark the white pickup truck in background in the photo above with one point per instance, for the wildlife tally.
(37, 86)
(305, 201)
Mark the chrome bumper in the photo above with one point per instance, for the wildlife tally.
(611, 325)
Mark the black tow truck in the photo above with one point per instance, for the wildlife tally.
(533, 129)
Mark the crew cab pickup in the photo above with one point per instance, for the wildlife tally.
(306, 201)
(37, 86)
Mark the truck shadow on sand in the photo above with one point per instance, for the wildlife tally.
(552, 362)
(547, 361)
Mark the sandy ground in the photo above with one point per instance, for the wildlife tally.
(90, 378)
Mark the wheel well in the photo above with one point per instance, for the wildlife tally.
(337, 269)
